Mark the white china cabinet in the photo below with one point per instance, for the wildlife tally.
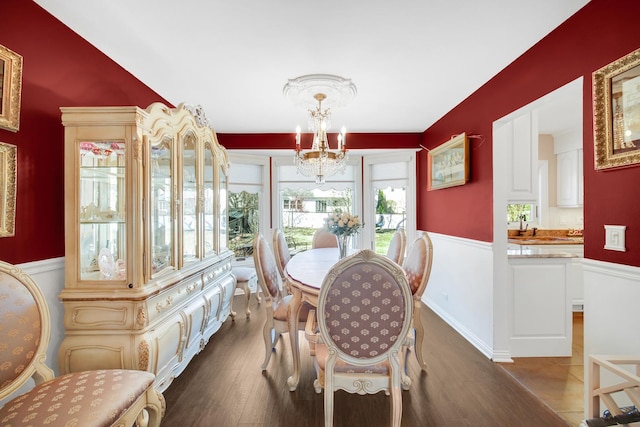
(148, 273)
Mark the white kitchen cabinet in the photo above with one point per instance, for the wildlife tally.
(540, 319)
(569, 176)
(522, 159)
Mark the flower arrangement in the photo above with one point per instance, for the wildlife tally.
(342, 223)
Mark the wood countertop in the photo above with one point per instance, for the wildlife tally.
(546, 237)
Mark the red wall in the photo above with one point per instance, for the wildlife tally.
(284, 141)
(59, 69)
(598, 34)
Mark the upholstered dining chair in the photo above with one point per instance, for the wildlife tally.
(111, 397)
(281, 250)
(276, 303)
(282, 254)
(417, 267)
(397, 246)
(363, 320)
(323, 238)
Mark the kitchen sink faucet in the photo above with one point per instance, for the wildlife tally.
(521, 230)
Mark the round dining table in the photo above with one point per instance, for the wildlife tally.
(305, 273)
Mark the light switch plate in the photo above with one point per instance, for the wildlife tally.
(614, 237)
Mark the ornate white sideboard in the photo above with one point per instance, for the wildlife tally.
(147, 270)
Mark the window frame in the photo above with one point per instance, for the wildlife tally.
(404, 156)
(264, 199)
(354, 161)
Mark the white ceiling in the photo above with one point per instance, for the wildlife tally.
(411, 60)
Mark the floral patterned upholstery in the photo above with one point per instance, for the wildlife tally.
(277, 304)
(267, 269)
(20, 328)
(281, 250)
(364, 316)
(397, 246)
(92, 398)
(364, 311)
(417, 267)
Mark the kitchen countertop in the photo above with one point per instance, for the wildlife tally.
(544, 243)
(546, 240)
(529, 252)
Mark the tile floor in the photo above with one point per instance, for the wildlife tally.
(557, 381)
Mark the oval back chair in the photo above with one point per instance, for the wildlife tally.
(417, 266)
(90, 398)
(397, 246)
(364, 316)
(323, 238)
(281, 250)
(276, 303)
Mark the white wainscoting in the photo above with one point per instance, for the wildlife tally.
(460, 289)
(611, 311)
(49, 276)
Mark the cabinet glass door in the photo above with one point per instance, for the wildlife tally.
(209, 201)
(224, 233)
(162, 216)
(102, 246)
(189, 200)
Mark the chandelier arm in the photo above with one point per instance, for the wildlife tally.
(320, 161)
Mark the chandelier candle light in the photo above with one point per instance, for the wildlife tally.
(321, 161)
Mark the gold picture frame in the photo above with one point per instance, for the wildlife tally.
(8, 179)
(10, 88)
(616, 113)
(449, 163)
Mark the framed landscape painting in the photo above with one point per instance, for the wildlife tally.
(616, 113)
(449, 163)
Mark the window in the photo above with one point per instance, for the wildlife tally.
(391, 214)
(306, 205)
(247, 205)
(521, 213)
(390, 199)
(292, 204)
(321, 205)
(244, 221)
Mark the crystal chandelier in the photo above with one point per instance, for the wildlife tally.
(320, 161)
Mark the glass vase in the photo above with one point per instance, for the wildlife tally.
(343, 244)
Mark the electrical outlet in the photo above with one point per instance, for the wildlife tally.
(614, 237)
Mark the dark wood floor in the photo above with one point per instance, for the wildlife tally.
(224, 386)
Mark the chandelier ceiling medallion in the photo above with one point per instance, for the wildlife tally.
(314, 91)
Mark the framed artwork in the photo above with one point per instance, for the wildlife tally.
(10, 87)
(8, 172)
(616, 113)
(449, 163)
